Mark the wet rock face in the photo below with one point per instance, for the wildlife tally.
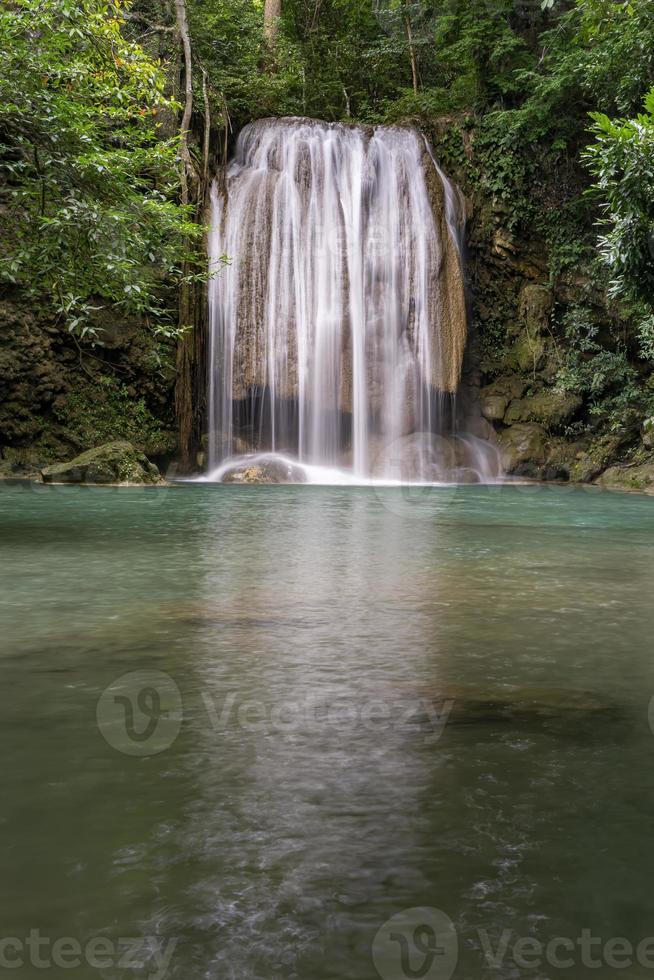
(116, 462)
(265, 472)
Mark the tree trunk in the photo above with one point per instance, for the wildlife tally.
(207, 131)
(412, 50)
(186, 163)
(272, 11)
(184, 382)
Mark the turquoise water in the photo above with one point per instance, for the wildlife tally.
(323, 707)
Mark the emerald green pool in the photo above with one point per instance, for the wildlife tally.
(341, 704)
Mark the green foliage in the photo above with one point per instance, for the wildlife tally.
(603, 374)
(106, 410)
(646, 338)
(88, 203)
(622, 162)
(479, 51)
(87, 208)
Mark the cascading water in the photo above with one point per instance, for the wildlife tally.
(338, 326)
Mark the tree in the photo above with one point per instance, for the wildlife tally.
(87, 199)
(272, 11)
(409, 20)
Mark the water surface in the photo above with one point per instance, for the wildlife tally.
(311, 792)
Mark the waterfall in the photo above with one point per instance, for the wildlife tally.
(338, 324)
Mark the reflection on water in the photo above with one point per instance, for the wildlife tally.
(389, 701)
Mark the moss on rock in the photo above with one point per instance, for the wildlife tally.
(551, 407)
(58, 398)
(629, 477)
(601, 452)
(115, 462)
(524, 449)
(495, 398)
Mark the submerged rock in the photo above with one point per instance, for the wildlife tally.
(565, 711)
(115, 462)
(553, 708)
(265, 471)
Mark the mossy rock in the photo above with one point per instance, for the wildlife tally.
(493, 407)
(494, 398)
(524, 449)
(551, 407)
(529, 351)
(115, 462)
(535, 306)
(601, 453)
(647, 433)
(562, 456)
(629, 478)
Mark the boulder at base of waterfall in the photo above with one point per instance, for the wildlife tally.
(113, 463)
(266, 472)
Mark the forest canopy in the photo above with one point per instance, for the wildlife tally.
(559, 98)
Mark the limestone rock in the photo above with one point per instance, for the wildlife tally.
(115, 462)
(529, 350)
(493, 407)
(551, 407)
(598, 455)
(639, 477)
(535, 305)
(561, 459)
(495, 397)
(524, 449)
